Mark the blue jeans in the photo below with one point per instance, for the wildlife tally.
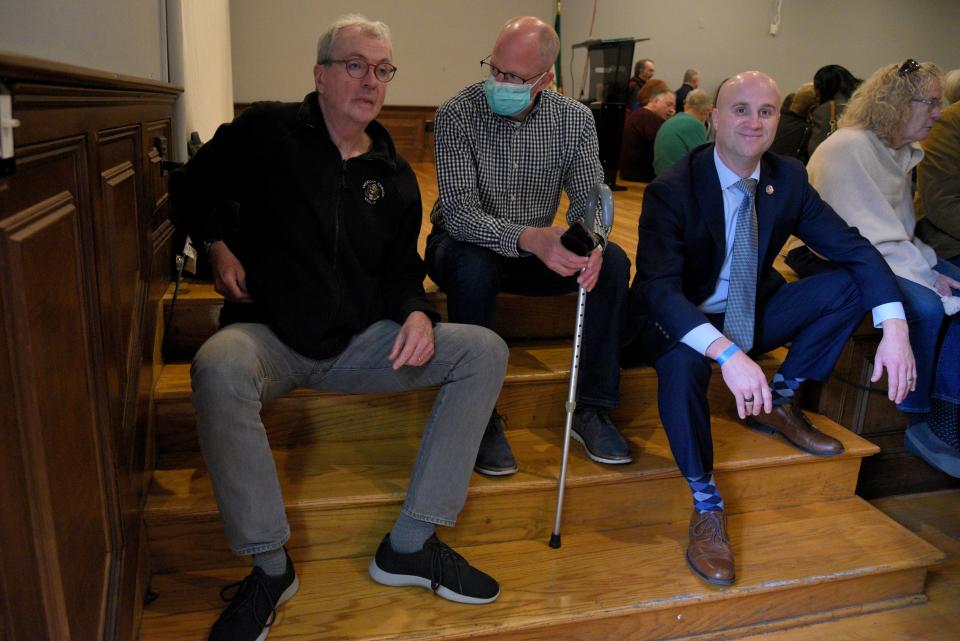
(245, 365)
(472, 276)
(935, 339)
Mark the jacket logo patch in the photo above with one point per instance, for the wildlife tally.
(372, 191)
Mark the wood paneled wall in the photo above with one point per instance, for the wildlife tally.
(410, 127)
(85, 254)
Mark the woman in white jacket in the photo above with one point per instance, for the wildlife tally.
(863, 171)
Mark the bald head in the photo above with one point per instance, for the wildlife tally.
(733, 85)
(530, 38)
(746, 117)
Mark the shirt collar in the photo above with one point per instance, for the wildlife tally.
(726, 176)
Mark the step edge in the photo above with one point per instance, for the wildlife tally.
(537, 484)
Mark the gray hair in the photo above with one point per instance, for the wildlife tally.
(951, 86)
(328, 39)
(689, 75)
(697, 100)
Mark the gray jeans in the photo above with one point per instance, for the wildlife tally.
(245, 364)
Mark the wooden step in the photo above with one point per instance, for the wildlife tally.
(809, 563)
(533, 395)
(343, 495)
(197, 313)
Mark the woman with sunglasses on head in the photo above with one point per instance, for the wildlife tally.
(864, 172)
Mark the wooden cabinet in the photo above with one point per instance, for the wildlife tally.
(85, 254)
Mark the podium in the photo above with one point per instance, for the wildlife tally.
(610, 64)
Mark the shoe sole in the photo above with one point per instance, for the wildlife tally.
(285, 596)
(705, 577)
(760, 427)
(935, 460)
(408, 580)
(597, 458)
(488, 471)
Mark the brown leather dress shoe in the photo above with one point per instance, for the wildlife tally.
(789, 422)
(709, 554)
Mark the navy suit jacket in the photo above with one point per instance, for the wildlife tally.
(681, 244)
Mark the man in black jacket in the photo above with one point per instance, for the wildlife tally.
(323, 288)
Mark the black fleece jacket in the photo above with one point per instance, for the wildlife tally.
(329, 246)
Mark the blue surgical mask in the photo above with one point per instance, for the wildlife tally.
(506, 99)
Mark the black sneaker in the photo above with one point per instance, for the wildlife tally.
(253, 605)
(494, 458)
(600, 437)
(436, 567)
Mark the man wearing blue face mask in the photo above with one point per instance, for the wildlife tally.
(505, 149)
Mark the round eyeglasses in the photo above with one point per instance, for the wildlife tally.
(358, 68)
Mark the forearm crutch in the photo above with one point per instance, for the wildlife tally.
(601, 196)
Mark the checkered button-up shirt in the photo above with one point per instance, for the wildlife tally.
(497, 176)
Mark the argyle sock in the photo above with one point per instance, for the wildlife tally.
(273, 562)
(409, 534)
(943, 421)
(784, 389)
(706, 496)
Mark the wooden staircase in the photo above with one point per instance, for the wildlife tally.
(807, 548)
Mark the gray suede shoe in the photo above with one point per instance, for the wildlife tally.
(601, 439)
(494, 458)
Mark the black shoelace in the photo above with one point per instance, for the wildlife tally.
(245, 597)
(442, 552)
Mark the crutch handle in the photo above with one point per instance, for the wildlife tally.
(600, 195)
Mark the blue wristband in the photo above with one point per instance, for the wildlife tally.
(727, 353)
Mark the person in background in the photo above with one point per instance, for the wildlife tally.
(640, 133)
(834, 86)
(864, 172)
(643, 71)
(653, 86)
(938, 178)
(681, 133)
(793, 132)
(691, 81)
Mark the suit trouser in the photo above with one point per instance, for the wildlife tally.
(817, 315)
(245, 365)
(472, 276)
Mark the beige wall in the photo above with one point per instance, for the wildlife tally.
(723, 37)
(123, 36)
(437, 44)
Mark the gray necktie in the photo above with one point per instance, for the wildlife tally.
(742, 295)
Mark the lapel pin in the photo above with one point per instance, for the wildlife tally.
(769, 190)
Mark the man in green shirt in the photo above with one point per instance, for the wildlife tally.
(682, 132)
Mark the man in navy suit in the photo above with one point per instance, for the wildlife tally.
(697, 294)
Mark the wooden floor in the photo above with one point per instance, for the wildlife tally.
(935, 517)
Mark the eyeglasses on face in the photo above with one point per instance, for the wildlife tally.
(908, 67)
(510, 78)
(358, 68)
